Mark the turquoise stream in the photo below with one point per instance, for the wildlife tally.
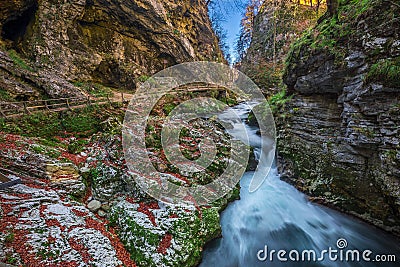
(279, 217)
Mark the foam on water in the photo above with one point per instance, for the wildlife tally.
(279, 216)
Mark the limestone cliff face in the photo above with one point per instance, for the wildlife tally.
(112, 42)
(276, 26)
(340, 141)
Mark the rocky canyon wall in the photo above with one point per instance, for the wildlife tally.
(340, 141)
(114, 43)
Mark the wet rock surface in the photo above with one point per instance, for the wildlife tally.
(78, 201)
(71, 186)
(172, 236)
(42, 227)
(115, 43)
(340, 142)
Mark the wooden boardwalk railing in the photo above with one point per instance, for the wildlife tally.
(16, 109)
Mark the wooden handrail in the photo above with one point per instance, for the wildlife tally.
(26, 107)
(30, 101)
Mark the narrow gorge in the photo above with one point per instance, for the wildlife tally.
(329, 71)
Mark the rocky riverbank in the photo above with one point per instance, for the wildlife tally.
(340, 141)
(76, 182)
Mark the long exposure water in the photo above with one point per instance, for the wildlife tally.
(279, 217)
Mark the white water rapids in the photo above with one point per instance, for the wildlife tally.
(280, 217)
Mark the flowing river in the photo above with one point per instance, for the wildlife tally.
(278, 217)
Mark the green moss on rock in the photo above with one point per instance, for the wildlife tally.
(386, 71)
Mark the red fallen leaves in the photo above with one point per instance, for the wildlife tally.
(130, 200)
(180, 177)
(76, 159)
(153, 205)
(68, 264)
(165, 243)
(6, 207)
(42, 208)
(10, 144)
(172, 216)
(62, 139)
(19, 243)
(81, 249)
(88, 194)
(162, 156)
(51, 239)
(54, 222)
(92, 223)
(34, 184)
(144, 208)
(79, 213)
(20, 246)
(122, 253)
(20, 195)
(30, 259)
(93, 164)
(12, 137)
(7, 220)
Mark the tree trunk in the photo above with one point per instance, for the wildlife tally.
(332, 6)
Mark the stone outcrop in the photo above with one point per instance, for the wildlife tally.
(111, 42)
(114, 43)
(62, 171)
(41, 226)
(340, 139)
(19, 80)
(171, 235)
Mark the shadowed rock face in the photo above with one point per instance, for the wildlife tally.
(112, 42)
(340, 141)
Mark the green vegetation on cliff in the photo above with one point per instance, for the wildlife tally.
(16, 58)
(81, 123)
(335, 33)
(386, 71)
(340, 141)
(273, 29)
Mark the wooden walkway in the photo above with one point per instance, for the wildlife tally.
(17, 109)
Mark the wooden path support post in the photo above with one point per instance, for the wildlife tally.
(2, 113)
(68, 106)
(46, 105)
(26, 108)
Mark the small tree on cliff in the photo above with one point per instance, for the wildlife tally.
(246, 28)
